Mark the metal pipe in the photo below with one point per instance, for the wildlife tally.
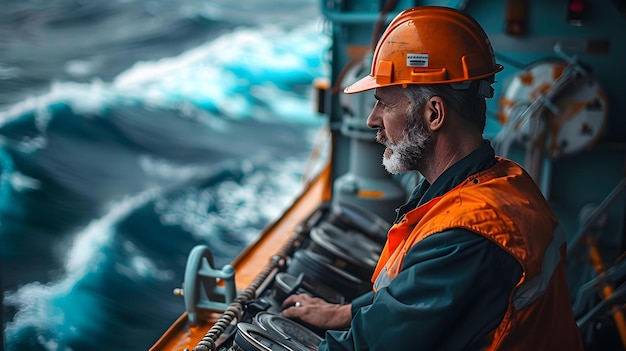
(607, 289)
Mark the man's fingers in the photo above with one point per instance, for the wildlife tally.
(291, 312)
(291, 300)
(301, 300)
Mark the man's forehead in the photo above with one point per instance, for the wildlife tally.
(391, 93)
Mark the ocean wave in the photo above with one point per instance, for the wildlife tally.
(44, 309)
(127, 139)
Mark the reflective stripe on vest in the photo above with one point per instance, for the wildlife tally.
(383, 280)
(531, 289)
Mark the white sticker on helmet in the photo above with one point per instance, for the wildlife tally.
(417, 60)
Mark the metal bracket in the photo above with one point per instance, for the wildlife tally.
(201, 286)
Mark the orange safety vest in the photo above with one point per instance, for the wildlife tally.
(504, 205)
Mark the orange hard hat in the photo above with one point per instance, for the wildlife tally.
(430, 45)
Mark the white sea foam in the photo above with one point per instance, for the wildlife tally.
(228, 74)
(221, 73)
(243, 206)
(83, 98)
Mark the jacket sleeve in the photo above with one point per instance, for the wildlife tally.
(453, 290)
(362, 301)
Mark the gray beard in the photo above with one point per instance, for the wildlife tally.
(407, 154)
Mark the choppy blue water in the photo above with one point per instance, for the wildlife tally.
(131, 131)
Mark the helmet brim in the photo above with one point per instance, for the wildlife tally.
(366, 83)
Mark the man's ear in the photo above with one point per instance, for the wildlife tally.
(435, 113)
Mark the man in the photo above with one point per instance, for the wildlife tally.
(474, 260)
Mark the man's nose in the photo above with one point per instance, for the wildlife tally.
(373, 120)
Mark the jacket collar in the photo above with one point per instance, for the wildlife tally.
(478, 160)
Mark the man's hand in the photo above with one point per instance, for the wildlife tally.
(317, 312)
